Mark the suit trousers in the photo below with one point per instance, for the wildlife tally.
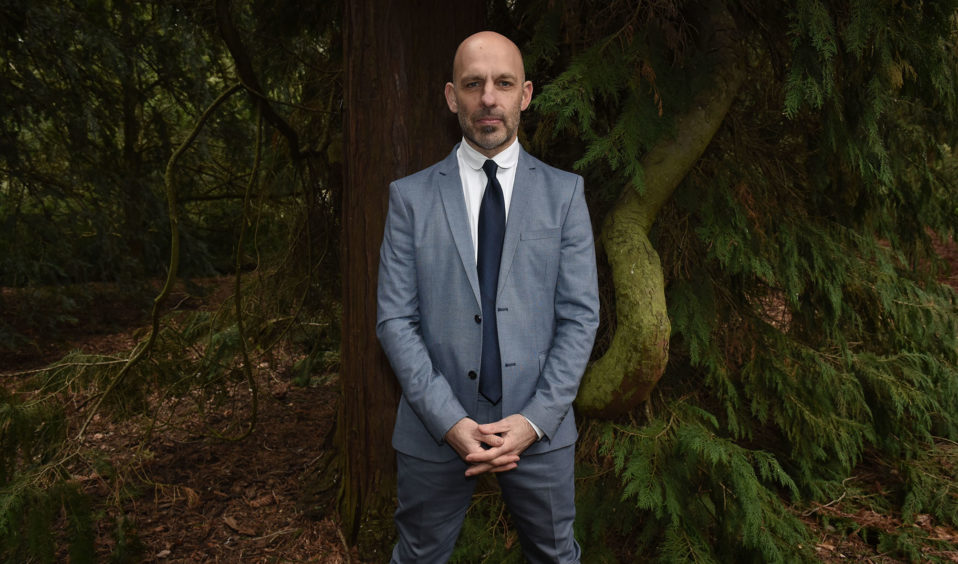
(433, 498)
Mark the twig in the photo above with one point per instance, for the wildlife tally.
(819, 507)
(64, 365)
(285, 531)
(342, 539)
(143, 347)
(238, 289)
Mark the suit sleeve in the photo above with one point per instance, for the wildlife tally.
(576, 317)
(398, 324)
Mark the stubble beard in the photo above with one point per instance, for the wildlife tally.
(489, 137)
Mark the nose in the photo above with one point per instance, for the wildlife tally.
(488, 98)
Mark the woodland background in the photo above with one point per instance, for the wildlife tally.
(192, 196)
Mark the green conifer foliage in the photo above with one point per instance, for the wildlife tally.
(95, 97)
(808, 331)
(34, 491)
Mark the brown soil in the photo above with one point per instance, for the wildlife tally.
(201, 499)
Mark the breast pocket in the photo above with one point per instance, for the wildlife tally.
(540, 234)
(539, 249)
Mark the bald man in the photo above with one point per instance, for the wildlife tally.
(487, 310)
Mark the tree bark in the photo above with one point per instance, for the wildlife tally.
(628, 371)
(398, 57)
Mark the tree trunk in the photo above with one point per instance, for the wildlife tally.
(133, 190)
(398, 56)
(635, 361)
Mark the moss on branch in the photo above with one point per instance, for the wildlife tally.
(635, 361)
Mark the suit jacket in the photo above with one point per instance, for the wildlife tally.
(429, 313)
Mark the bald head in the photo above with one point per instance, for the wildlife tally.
(487, 44)
(488, 91)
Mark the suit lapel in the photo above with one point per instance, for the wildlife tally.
(523, 190)
(454, 204)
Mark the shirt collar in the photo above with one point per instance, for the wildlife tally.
(507, 158)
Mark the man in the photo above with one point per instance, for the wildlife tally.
(488, 307)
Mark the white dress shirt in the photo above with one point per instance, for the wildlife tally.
(474, 182)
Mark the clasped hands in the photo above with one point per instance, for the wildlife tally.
(506, 439)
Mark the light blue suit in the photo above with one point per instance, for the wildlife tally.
(429, 316)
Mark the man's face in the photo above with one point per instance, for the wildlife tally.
(488, 92)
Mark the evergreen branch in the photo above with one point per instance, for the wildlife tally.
(146, 346)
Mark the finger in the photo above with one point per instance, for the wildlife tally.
(477, 469)
(503, 460)
(506, 460)
(492, 440)
(466, 447)
(473, 450)
(505, 468)
(493, 428)
(484, 455)
(507, 463)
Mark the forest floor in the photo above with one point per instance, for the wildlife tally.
(178, 494)
(183, 497)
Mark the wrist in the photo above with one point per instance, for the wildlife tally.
(539, 433)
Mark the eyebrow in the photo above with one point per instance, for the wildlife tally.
(469, 77)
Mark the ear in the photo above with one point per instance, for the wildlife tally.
(451, 98)
(526, 94)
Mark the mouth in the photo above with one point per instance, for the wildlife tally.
(488, 121)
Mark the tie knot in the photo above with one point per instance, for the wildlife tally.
(490, 167)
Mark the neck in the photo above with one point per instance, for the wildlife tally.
(489, 153)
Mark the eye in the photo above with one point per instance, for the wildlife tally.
(472, 84)
(505, 83)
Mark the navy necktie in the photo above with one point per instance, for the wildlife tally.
(492, 229)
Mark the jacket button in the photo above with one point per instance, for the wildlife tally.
(478, 318)
(473, 375)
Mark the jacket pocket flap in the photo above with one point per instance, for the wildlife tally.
(540, 234)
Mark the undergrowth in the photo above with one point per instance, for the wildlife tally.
(192, 380)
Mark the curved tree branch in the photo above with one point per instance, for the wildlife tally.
(635, 361)
(144, 347)
(244, 69)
